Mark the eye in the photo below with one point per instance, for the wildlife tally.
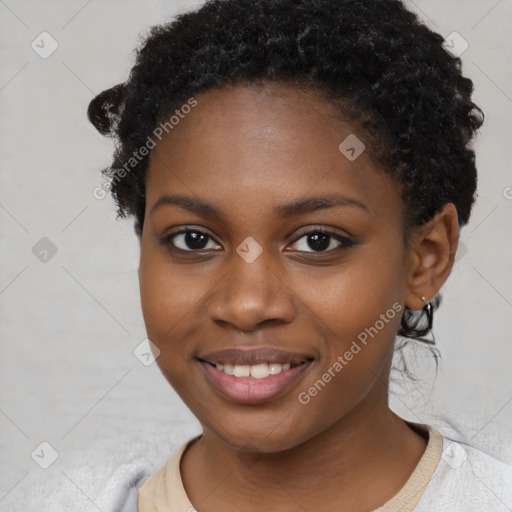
(321, 240)
(188, 240)
(318, 240)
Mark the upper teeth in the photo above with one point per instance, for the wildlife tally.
(258, 371)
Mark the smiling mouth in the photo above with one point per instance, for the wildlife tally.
(253, 376)
(258, 388)
(256, 371)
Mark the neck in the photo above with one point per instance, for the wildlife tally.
(359, 463)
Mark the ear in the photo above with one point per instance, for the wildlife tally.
(431, 256)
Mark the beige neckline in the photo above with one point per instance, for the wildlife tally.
(163, 491)
(409, 495)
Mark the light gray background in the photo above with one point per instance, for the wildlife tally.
(69, 326)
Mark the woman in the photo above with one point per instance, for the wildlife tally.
(299, 172)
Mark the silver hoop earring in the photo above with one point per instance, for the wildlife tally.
(429, 310)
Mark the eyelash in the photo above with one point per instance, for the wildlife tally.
(344, 241)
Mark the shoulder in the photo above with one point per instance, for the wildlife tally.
(120, 491)
(133, 484)
(467, 479)
(84, 487)
(164, 490)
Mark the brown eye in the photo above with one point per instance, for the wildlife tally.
(322, 241)
(188, 240)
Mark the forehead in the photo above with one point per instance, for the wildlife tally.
(269, 141)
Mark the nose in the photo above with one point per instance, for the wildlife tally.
(250, 295)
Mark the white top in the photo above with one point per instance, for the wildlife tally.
(450, 477)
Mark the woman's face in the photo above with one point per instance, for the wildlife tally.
(295, 257)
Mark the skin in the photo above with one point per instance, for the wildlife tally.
(247, 149)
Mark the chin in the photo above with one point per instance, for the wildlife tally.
(259, 435)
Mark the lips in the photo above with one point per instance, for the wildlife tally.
(256, 375)
(254, 356)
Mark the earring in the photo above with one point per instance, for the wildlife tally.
(429, 311)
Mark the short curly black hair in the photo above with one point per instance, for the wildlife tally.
(385, 71)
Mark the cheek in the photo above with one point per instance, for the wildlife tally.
(165, 303)
(358, 311)
(354, 298)
(165, 297)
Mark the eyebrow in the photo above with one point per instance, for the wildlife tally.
(298, 207)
